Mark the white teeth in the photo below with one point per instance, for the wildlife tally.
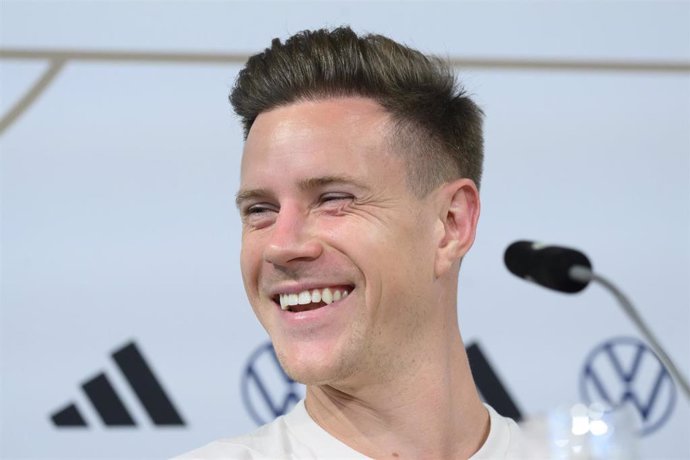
(304, 298)
(316, 296)
(326, 296)
(293, 299)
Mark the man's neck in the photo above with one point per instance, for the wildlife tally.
(432, 411)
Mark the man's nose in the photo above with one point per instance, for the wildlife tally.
(291, 239)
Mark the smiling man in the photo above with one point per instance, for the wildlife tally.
(359, 199)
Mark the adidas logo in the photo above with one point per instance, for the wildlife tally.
(108, 404)
(490, 387)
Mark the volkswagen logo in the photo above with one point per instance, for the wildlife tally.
(624, 371)
(267, 391)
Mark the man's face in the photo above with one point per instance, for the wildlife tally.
(329, 224)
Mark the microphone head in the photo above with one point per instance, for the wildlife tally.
(546, 265)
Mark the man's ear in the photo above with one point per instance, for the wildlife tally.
(459, 206)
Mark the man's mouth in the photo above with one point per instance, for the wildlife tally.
(311, 299)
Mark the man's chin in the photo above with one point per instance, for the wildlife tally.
(313, 371)
(310, 374)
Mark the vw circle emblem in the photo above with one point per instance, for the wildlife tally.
(624, 371)
(267, 391)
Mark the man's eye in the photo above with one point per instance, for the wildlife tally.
(258, 209)
(334, 203)
(335, 197)
(259, 215)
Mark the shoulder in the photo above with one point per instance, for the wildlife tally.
(505, 440)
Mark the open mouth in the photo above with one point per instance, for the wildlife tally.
(311, 299)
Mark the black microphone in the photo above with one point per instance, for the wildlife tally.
(568, 270)
(549, 266)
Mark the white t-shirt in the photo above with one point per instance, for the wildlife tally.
(296, 436)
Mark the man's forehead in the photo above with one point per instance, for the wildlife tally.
(326, 113)
(338, 125)
(310, 143)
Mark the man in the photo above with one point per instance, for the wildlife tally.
(359, 199)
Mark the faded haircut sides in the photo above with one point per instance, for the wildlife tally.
(435, 124)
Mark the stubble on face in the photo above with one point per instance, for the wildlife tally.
(377, 239)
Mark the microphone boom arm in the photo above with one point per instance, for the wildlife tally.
(584, 274)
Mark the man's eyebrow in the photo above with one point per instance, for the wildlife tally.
(244, 195)
(304, 185)
(316, 182)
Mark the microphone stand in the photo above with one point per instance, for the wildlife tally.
(584, 275)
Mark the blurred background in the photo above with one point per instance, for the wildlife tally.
(124, 328)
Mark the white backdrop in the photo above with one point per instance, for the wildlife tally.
(118, 222)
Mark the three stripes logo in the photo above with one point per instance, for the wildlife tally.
(489, 385)
(108, 404)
